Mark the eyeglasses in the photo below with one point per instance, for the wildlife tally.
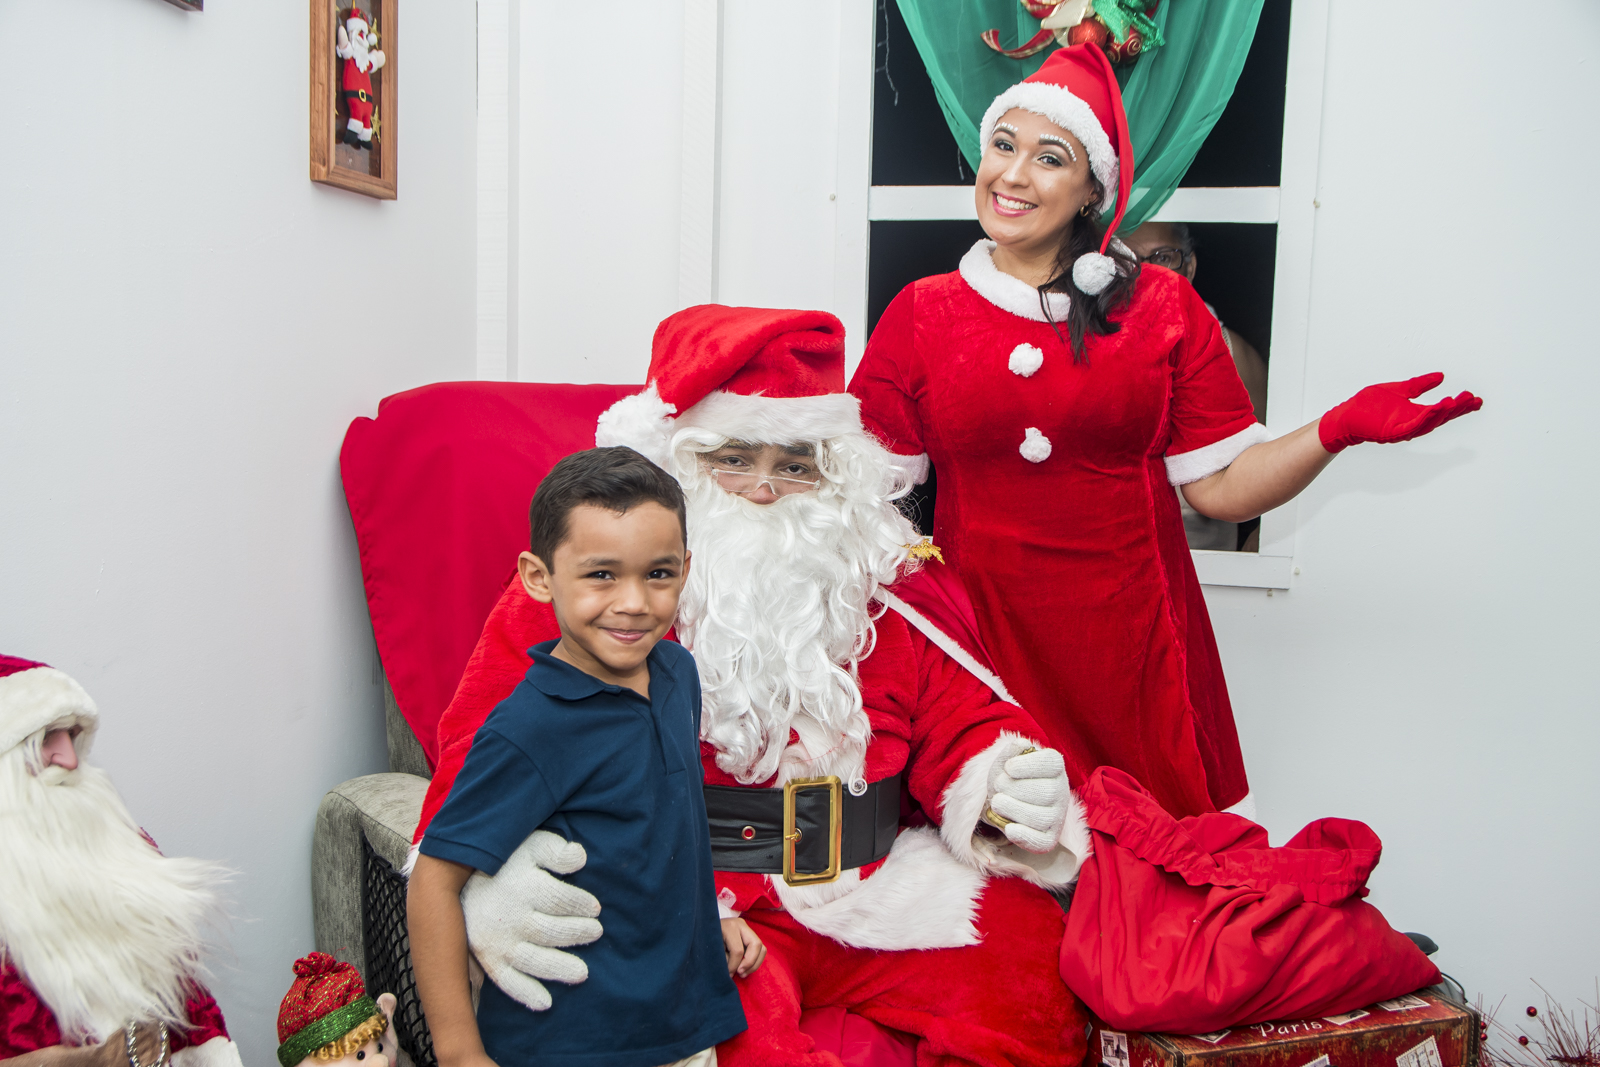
(746, 482)
(1168, 257)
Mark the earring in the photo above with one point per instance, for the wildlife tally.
(1086, 209)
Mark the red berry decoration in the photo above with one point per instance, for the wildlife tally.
(1523, 1040)
(1533, 1012)
(1089, 31)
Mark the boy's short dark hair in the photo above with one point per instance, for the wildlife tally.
(616, 478)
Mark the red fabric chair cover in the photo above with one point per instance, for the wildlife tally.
(1193, 925)
(438, 487)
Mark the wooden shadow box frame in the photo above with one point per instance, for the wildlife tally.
(326, 122)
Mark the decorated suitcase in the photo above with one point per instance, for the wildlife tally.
(1424, 1030)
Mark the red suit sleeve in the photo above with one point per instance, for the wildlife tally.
(956, 719)
(497, 664)
(885, 382)
(26, 1025)
(1211, 418)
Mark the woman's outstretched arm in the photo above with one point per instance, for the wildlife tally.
(1272, 473)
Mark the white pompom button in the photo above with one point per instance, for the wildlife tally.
(1035, 447)
(1025, 359)
(858, 787)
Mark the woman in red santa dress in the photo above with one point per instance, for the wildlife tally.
(930, 925)
(1060, 391)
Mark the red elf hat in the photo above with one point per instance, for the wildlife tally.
(326, 1002)
(751, 374)
(1077, 90)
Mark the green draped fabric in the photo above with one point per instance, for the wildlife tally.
(1173, 95)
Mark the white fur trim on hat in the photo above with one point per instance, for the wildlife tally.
(1004, 291)
(1035, 447)
(642, 422)
(1069, 112)
(775, 420)
(1191, 466)
(33, 699)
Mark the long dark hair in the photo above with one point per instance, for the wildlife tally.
(1088, 314)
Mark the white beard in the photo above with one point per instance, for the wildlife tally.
(779, 608)
(103, 927)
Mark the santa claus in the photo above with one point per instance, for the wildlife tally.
(101, 936)
(357, 45)
(883, 818)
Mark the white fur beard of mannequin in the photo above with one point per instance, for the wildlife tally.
(103, 927)
(778, 608)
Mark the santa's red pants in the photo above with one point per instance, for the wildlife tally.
(1000, 1003)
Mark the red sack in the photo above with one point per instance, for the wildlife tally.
(1194, 925)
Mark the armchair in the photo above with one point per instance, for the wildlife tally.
(437, 485)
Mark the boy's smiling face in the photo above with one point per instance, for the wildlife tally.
(614, 582)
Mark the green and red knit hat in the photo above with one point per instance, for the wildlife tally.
(326, 1002)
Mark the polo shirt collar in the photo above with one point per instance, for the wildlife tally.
(563, 681)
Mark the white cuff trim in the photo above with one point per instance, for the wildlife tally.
(964, 802)
(916, 467)
(218, 1052)
(1186, 467)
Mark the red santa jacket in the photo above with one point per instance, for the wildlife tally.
(931, 716)
(27, 1024)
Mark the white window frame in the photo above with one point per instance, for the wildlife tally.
(1292, 205)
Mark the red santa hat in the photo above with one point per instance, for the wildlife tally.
(355, 14)
(751, 374)
(1077, 90)
(34, 696)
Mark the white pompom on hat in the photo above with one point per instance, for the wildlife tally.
(34, 695)
(1077, 90)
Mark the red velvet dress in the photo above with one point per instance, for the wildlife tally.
(1056, 506)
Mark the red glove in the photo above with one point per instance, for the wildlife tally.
(1385, 413)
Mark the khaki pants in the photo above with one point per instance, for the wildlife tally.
(703, 1058)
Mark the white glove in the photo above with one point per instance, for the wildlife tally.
(519, 920)
(1029, 793)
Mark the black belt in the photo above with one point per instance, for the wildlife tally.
(808, 831)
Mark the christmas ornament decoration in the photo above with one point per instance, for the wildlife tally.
(1569, 1037)
(1077, 90)
(358, 47)
(327, 1017)
(1125, 29)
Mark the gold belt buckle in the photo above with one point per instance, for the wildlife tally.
(791, 835)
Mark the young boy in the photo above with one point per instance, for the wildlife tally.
(600, 744)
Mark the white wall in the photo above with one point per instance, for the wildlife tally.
(187, 325)
(597, 189)
(1432, 671)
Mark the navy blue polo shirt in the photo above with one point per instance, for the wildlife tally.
(601, 765)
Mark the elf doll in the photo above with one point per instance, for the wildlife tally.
(327, 1018)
